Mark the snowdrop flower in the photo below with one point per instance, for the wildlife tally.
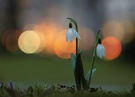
(71, 33)
(100, 50)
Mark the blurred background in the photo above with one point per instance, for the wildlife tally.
(33, 45)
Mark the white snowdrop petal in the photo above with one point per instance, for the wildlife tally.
(71, 33)
(76, 34)
(100, 54)
(100, 51)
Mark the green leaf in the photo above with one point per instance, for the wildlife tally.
(83, 81)
(73, 60)
(77, 73)
(88, 76)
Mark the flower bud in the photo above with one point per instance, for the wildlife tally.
(99, 40)
(70, 25)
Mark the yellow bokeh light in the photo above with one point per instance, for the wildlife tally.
(50, 31)
(42, 42)
(129, 31)
(113, 28)
(29, 42)
(112, 46)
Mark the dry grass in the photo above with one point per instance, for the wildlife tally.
(61, 91)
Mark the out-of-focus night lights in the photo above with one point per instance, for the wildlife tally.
(29, 42)
(123, 30)
(112, 46)
(62, 48)
(113, 28)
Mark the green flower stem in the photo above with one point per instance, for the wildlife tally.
(73, 21)
(94, 54)
(76, 40)
(78, 72)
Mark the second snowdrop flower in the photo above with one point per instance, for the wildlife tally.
(100, 50)
(71, 33)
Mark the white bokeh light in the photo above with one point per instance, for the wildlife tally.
(29, 42)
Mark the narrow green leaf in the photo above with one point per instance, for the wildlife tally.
(83, 81)
(73, 60)
(77, 73)
(88, 76)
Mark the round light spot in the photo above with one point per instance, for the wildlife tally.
(112, 46)
(29, 42)
(62, 48)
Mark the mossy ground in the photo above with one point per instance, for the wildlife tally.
(61, 91)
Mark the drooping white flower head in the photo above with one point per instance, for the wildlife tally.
(100, 50)
(71, 33)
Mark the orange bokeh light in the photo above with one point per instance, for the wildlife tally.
(50, 31)
(10, 38)
(62, 48)
(113, 47)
